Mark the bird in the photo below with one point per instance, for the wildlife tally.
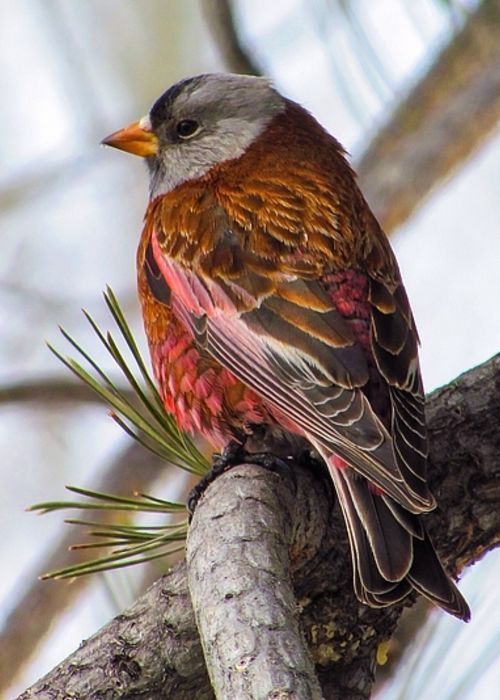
(272, 297)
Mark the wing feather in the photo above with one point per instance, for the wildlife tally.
(229, 341)
(282, 335)
(250, 278)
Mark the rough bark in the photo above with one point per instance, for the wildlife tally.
(153, 649)
(240, 580)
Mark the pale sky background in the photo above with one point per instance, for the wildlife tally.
(70, 216)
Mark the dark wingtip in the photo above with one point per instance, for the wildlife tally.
(429, 578)
(460, 608)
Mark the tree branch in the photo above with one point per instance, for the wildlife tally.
(153, 648)
(240, 582)
(151, 651)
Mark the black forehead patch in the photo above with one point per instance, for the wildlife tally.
(162, 108)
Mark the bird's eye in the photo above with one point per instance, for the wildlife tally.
(187, 128)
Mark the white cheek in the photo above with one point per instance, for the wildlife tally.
(193, 159)
(179, 165)
(189, 162)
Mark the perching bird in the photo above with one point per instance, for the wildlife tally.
(271, 296)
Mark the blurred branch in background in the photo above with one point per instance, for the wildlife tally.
(220, 16)
(44, 391)
(34, 181)
(444, 119)
(447, 116)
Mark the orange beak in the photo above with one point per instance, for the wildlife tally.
(137, 138)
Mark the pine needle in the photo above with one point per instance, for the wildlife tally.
(143, 418)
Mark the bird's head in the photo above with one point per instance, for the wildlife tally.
(197, 124)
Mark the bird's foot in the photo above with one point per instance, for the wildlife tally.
(283, 467)
(232, 456)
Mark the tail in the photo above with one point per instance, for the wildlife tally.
(391, 550)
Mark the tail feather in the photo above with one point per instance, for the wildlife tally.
(381, 600)
(368, 518)
(369, 585)
(408, 520)
(390, 542)
(391, 551)
(428, 577)
(367, 574)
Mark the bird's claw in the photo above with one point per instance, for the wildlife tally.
(269, 462)
(230, 457)
(233, 455)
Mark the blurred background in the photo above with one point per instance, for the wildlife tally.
(410, 87)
